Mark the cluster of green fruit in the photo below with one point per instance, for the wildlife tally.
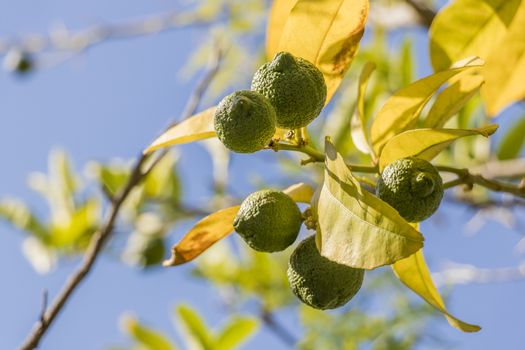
(289, 93)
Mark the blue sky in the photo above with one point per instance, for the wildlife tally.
(110, 102)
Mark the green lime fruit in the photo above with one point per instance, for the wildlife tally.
(245, 121)
(268, 220)
(412, 186)
(320, 282)
(295, 88)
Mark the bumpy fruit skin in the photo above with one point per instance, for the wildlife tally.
(320, 282)
(412, 186)
(268, 220)
(295, 88)
(245, 121)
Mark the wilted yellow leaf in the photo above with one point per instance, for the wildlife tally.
(359, 130)
(205, 233)
(450, 101)
(218, 225)
(277, 19)
(197, 127)
(414, 273)
(401, 111)
(505, 68)
(355, 228)
(426, 143)
(326, 33)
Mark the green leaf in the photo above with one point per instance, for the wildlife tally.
(197, 127)
(355, 228)
(469, 28)
(512, 143)
(236, 332)
(414, 273)
(450, 101)
(21, 217)
(146, 337)
(197, 330)
(401, 111)
(359, 121)
(426, 143)
(326, 33)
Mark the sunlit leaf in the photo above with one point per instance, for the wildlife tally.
(452, 99)
(300, 192)
(505, 68)
(469, 28)
(401, 111)
(146, 337)
(21, 217)
(195, 327)
(426, 143)
(493, 30)
(355, 228)
(197, 127)
(414, 273)
(326, 33)
(359, 121)
(277, 19)
(513, 141)
(237, 331)
(206, 232)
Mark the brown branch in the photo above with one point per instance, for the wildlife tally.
(99, 238)
(465, 177)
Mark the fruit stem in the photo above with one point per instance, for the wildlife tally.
(316, 156)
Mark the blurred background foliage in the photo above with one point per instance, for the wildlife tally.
(383, 316)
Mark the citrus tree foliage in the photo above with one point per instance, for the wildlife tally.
(376, 113)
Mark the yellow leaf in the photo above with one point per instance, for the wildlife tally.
(197, 127)
(469, 28)
(450, 101)
(300, 192)
(505, 68)
(326, 33)
(493, 30)
(426, 143)
(218, 225)
(205, 233)
(401, 111)
(277, 19)
(414, 273)
(356, 228)
(359, 132)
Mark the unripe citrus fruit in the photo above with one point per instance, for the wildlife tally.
(320, 282)
(412, 186)
(295, 88)
(245, 121)
(268, 220)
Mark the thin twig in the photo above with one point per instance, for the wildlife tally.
(100, 237)
(64, 40)
(277, 328)
(467, 178)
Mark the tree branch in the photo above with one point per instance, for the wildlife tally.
(99, 238)
(278, 329)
